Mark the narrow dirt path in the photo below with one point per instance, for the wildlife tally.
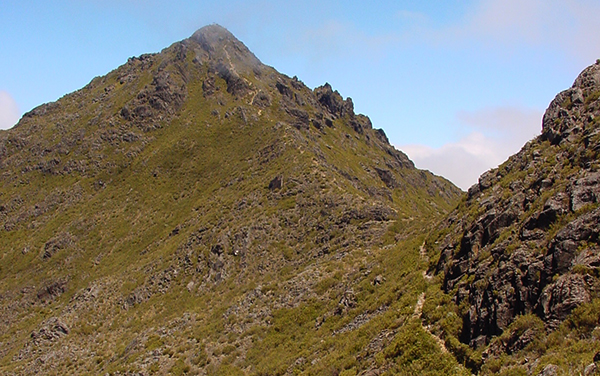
(417, 313)
(419, 305)
(423, 253)
(421, 301)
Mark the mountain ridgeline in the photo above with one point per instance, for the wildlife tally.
(196, 212)
(188, 209)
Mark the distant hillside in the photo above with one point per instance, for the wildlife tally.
(197, 212)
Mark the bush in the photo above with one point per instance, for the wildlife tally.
(463, 353)
(585, 318)
(416, 352)
(179, 368)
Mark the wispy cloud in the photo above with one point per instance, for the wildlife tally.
(9, 111)
(511, 126)
(493, 134)
(570, 26)
(335, 38)
(489, 136)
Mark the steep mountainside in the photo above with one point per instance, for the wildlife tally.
(520, 256)
(196, 212)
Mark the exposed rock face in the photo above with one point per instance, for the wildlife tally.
(527, 238)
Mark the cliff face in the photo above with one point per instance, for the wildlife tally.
(188, 212)
(525, 240)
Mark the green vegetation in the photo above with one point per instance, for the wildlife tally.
(195, 212)
(158, 243)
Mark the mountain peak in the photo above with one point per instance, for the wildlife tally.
(211, 36)
(223, 184)
(220, 45)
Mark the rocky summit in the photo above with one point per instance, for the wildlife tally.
(196, 212)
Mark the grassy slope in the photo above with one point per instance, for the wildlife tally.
(142, 286)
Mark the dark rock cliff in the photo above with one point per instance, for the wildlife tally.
(526, 239)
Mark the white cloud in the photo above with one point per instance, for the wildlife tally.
(459, 162)
(493, 135)
(510, 125)
(508, 20)
(9, 111)
(570, 26)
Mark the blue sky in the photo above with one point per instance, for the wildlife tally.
(458, 85)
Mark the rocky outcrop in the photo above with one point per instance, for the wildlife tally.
(51, 330)
(336, 107)
(57, 243)
(157, 102)
(526, 240)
